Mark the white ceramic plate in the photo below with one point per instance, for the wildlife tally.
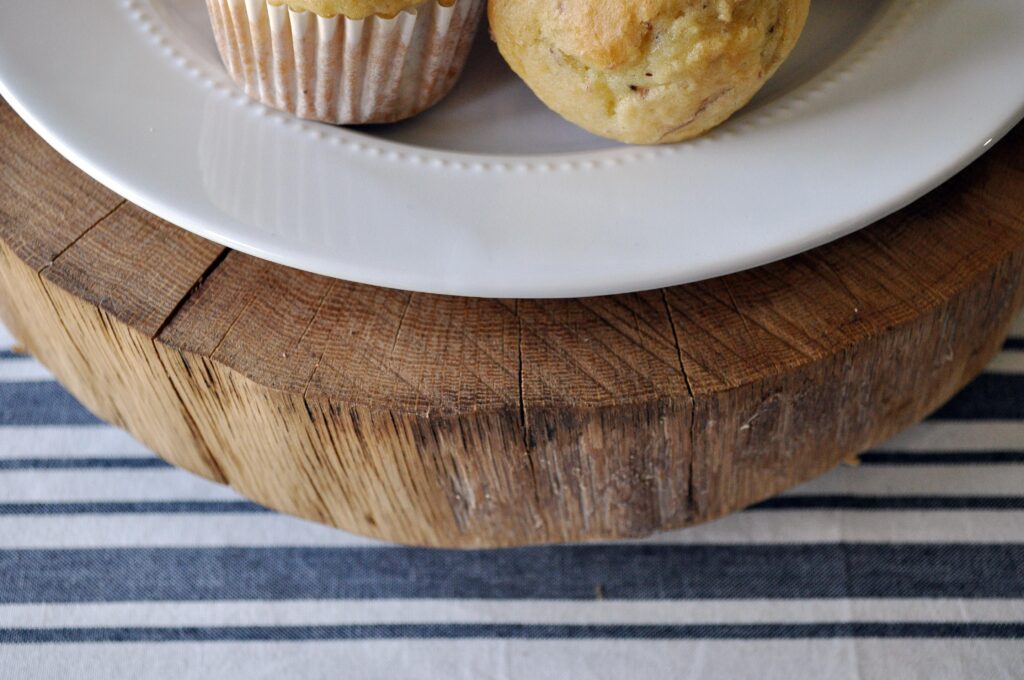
(492, 195)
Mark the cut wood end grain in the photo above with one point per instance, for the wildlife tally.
(463, 422)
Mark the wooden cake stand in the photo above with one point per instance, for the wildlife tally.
(449, 421)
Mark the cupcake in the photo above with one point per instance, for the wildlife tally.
(346, 61)
(646, 71)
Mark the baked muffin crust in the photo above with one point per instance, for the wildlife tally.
(646, 71)
(354, 9)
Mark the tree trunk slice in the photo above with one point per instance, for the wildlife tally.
(450, 421)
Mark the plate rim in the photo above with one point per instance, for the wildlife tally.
(923, 185)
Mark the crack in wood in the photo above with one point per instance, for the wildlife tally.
(214, 264)
(231, 326)
(401, 322)
(691, 444)
(679, 347)
(639, 332)
(320, 356)
(69, 246)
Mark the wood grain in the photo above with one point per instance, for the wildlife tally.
(467, 422)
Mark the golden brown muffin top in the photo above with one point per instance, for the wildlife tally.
(646, 71)
(354, 9)
(609, 34)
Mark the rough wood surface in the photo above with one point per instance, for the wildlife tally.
(466, 422)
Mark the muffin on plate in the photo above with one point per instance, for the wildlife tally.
(646, 71)
(346, 61)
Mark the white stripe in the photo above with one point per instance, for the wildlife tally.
(77, 441)
(168, 530)
(7, 341)
(23, 370)
(924, 480)
(108, 485)
(1017, 329)
(999, 435)
(1009, 362)
(838, 526)
(835, 659)
(272, 530)
(530, 612)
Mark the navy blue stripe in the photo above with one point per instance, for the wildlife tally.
(990, 397)
(630, 572)
(11, 354)
(130, 507)
(127, 463)
(449, 631)
(1014, 343)
(950, 458)
(40, 403)
(892, 503)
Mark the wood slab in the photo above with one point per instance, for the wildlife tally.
(448, 421)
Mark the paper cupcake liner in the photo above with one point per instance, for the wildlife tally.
(341, 70)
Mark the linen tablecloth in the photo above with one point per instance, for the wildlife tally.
(115, 565)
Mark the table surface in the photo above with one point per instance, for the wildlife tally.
(113, 564)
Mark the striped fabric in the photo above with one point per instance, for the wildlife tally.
(113, 564)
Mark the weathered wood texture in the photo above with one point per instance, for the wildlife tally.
(464, 422)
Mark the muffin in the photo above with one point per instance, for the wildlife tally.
(346, 61)
(646, 71)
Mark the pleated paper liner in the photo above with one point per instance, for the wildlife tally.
(340, 70)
